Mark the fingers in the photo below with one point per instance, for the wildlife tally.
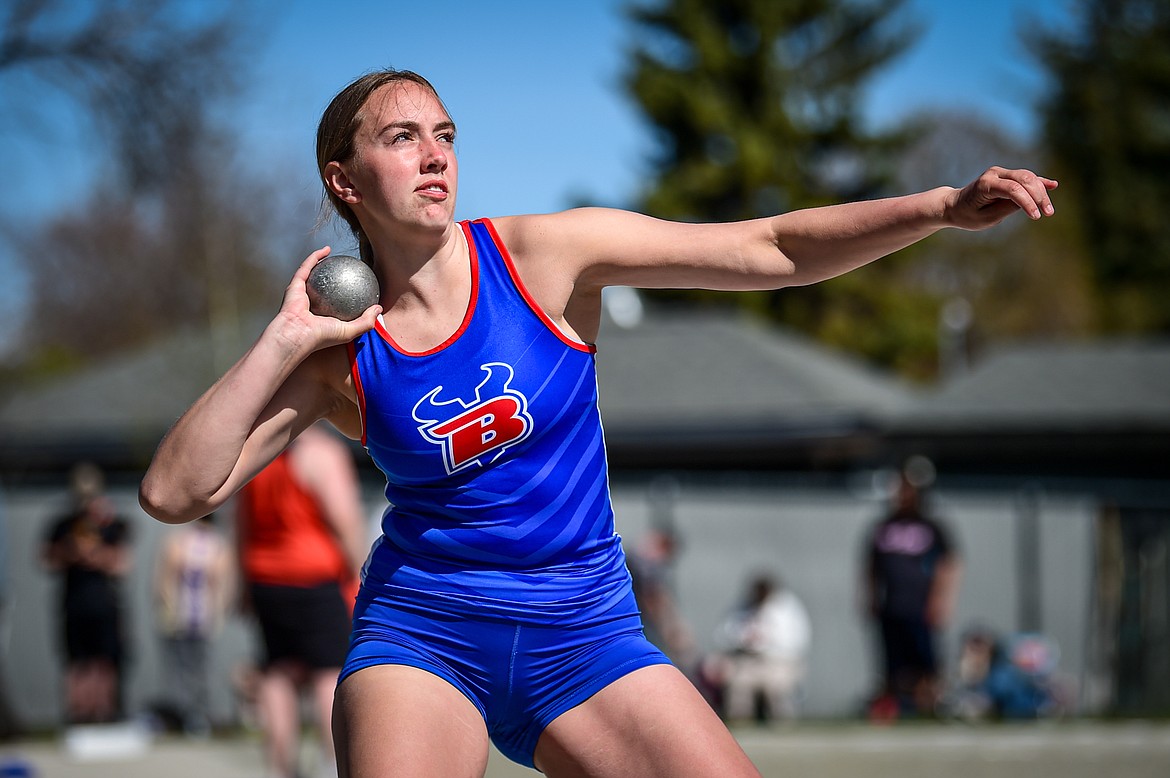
(310, 261)
(997, 194)
(295, 296)
(296, 285)
(364, 322)
(1024, 188)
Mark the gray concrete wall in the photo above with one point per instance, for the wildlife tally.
(33, 657)
(811, 537)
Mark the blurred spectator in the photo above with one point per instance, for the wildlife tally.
(651, 563)
(911, 577)
(1013, 678)
(763, 647)
(192, 584)
(89, 548)
(301, 542)
(979, 650)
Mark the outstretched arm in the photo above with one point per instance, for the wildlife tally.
(821, 243)
(566, 258)
(286, 381)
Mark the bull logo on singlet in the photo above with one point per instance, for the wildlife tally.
(480, 430)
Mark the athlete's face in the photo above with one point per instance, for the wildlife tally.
(404, 170)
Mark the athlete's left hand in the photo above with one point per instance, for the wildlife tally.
(997, 194)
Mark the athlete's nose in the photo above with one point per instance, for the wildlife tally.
(434, 157)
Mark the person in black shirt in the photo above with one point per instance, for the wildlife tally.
(911, 579)
(89, 548)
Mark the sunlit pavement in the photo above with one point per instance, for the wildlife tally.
(1138, 749)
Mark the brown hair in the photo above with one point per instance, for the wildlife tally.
(338, 128)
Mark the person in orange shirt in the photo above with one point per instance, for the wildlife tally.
(301, 544)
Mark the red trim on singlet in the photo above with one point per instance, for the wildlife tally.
(380, 327)
(351, 350)
(588, 348)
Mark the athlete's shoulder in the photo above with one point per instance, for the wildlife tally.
(559, 225)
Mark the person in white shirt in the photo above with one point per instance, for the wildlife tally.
(764, 645)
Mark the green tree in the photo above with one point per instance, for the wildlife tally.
(756, 102)
(756, 105)
(1107, 126)
(1018, 279)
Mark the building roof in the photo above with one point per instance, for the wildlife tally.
(114, 412)
(148, 388)
(711, 368)
(1114, 384)
(1093, 409)
(714, 389)
(693, 381)
(702, 389)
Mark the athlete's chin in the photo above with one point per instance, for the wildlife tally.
(438, 214)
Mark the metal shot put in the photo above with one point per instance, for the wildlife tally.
(342, 287)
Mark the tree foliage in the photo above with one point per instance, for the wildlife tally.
(757, 106)
(1107, 124)
(1020, 279)
(117, 272)
(144, 72)
(161, 241)
(756, 103)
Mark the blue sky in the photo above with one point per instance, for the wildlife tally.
(535, 85)
(535, 89)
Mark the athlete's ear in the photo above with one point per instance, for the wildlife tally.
(340, 183)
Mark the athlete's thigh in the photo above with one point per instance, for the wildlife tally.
(394, 720)
(652, 722)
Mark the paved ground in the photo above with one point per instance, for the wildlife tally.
(1067, 750)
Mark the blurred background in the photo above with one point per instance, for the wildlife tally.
(161, 190)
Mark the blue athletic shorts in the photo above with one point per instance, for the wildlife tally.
(520, 675)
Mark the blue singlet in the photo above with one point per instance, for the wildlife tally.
(499, 536)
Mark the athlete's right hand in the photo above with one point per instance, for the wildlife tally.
(311, 330)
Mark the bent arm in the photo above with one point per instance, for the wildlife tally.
(284, 383)
(230, 433)
(55, 556)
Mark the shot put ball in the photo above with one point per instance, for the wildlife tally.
(342, 287)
